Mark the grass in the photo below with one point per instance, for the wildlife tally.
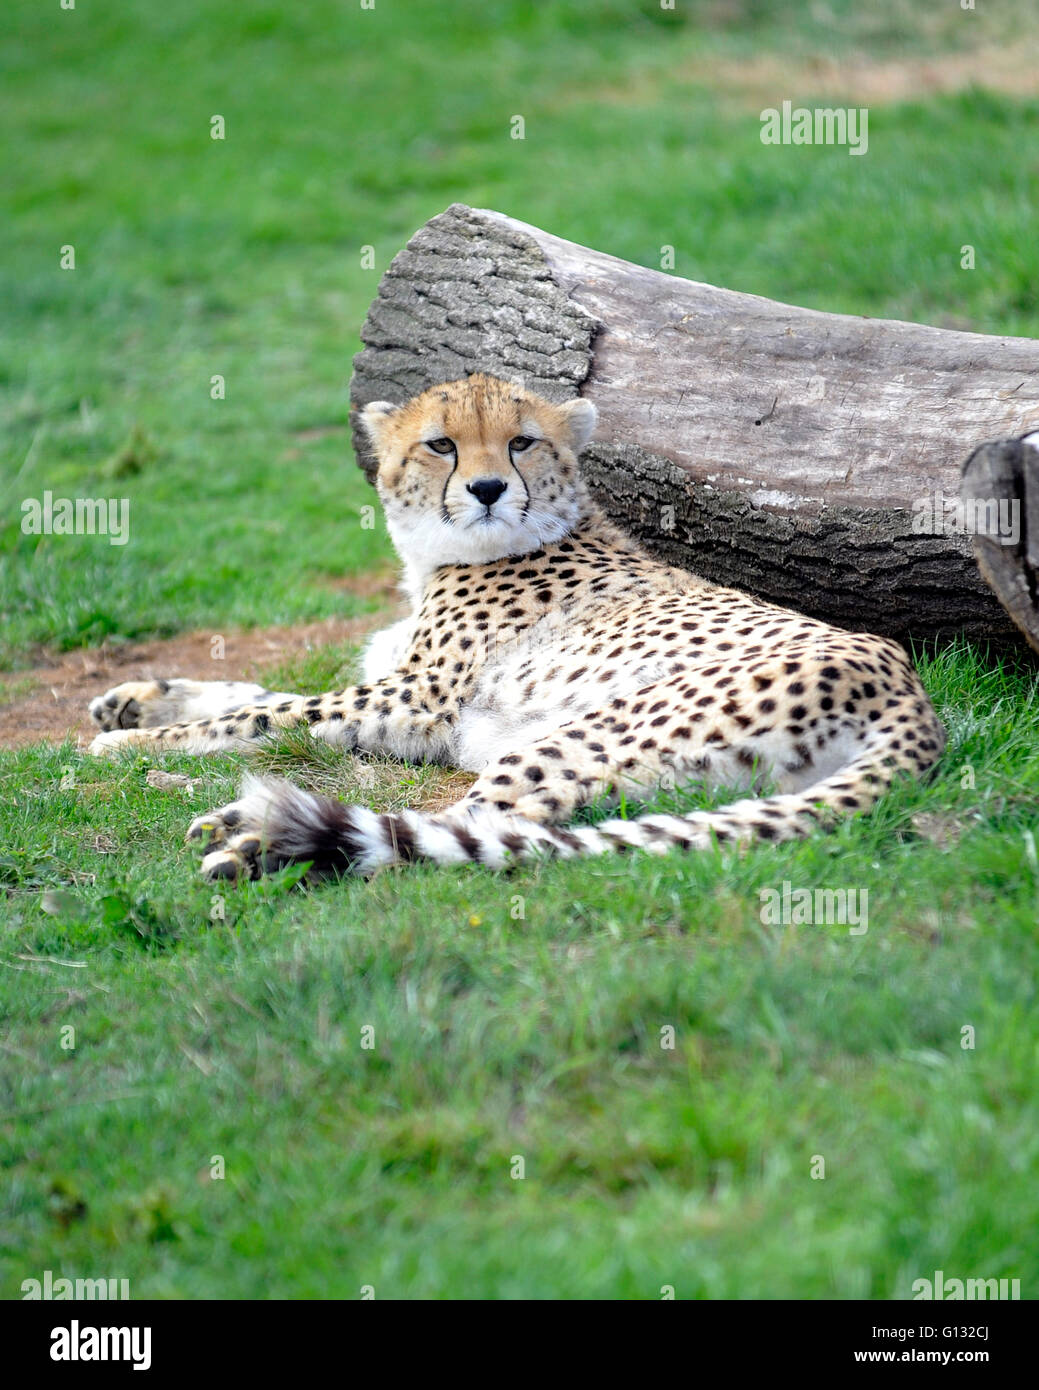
(514, 1017)
(522, 1016)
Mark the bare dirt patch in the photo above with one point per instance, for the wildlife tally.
(873, 83)
(766, 79)
(50, 702)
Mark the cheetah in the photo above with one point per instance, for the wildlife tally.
(549, 653)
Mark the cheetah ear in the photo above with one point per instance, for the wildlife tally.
(375, 417)
(580, 416)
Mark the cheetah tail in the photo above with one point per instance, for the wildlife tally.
(299, 825)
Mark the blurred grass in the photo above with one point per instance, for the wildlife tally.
(514, 1015)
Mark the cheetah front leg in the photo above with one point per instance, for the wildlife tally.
(158, 703)
(404, 715)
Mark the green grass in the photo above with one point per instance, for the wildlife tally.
(515, 1015)
(522, 1016)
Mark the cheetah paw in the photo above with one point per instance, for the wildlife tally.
(272, 824)
(234, 838)
(126, 706)
(213, 826)
(238, 859)
(232, 851)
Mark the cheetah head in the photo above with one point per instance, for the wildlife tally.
(476, 470)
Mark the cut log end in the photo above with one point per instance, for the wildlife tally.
(1000, 500)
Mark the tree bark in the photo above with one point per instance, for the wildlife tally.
(813, 459)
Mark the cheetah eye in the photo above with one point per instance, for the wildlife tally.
(441, 446)
(520, 443)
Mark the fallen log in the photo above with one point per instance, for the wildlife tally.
(814, 459)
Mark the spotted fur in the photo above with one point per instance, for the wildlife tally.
(550, 654)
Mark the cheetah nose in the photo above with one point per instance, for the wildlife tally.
(486, 490)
